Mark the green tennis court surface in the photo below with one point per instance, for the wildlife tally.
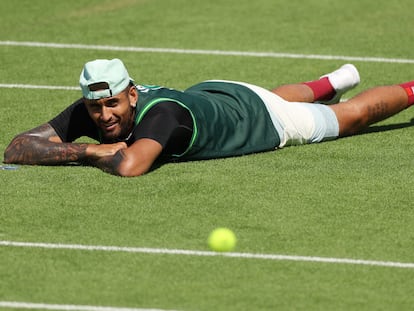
(319, 227)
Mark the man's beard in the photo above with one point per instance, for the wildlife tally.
(125, 133)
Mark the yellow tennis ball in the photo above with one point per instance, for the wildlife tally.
(222, 240)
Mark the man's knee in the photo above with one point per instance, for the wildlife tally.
(350, 117)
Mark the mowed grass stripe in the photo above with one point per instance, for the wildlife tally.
(166, 251)
(205, 52)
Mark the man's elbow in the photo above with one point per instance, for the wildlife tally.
(10, 155)
(22, 150)
(7, 158)
(130, 169)
(130, 172)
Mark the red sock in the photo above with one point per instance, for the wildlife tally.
(322, 89)
(409, 89)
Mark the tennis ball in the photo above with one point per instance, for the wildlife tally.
(222, 240)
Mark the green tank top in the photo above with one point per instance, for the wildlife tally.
(229, 119)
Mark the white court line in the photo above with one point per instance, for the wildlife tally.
(166, 251)
(204, 52)
(43, 87)
(45, 306)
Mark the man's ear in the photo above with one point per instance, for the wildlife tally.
(133, 96)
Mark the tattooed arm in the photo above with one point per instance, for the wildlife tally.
(43, 146)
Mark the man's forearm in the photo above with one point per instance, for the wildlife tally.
(28, 149)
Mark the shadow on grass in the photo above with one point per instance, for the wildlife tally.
(385, 128)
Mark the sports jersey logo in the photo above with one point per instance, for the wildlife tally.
(146, 88)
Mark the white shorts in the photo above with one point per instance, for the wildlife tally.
(297, 123)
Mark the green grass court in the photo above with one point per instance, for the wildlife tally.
(349, 199)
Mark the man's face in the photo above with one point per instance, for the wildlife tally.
(114, 115)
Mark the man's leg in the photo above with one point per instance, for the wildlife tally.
(328, 89)
(360, 111)
(371, 106)
(295, 93)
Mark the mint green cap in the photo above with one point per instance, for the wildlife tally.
(111, 76)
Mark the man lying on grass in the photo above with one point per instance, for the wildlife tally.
(137, 125)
